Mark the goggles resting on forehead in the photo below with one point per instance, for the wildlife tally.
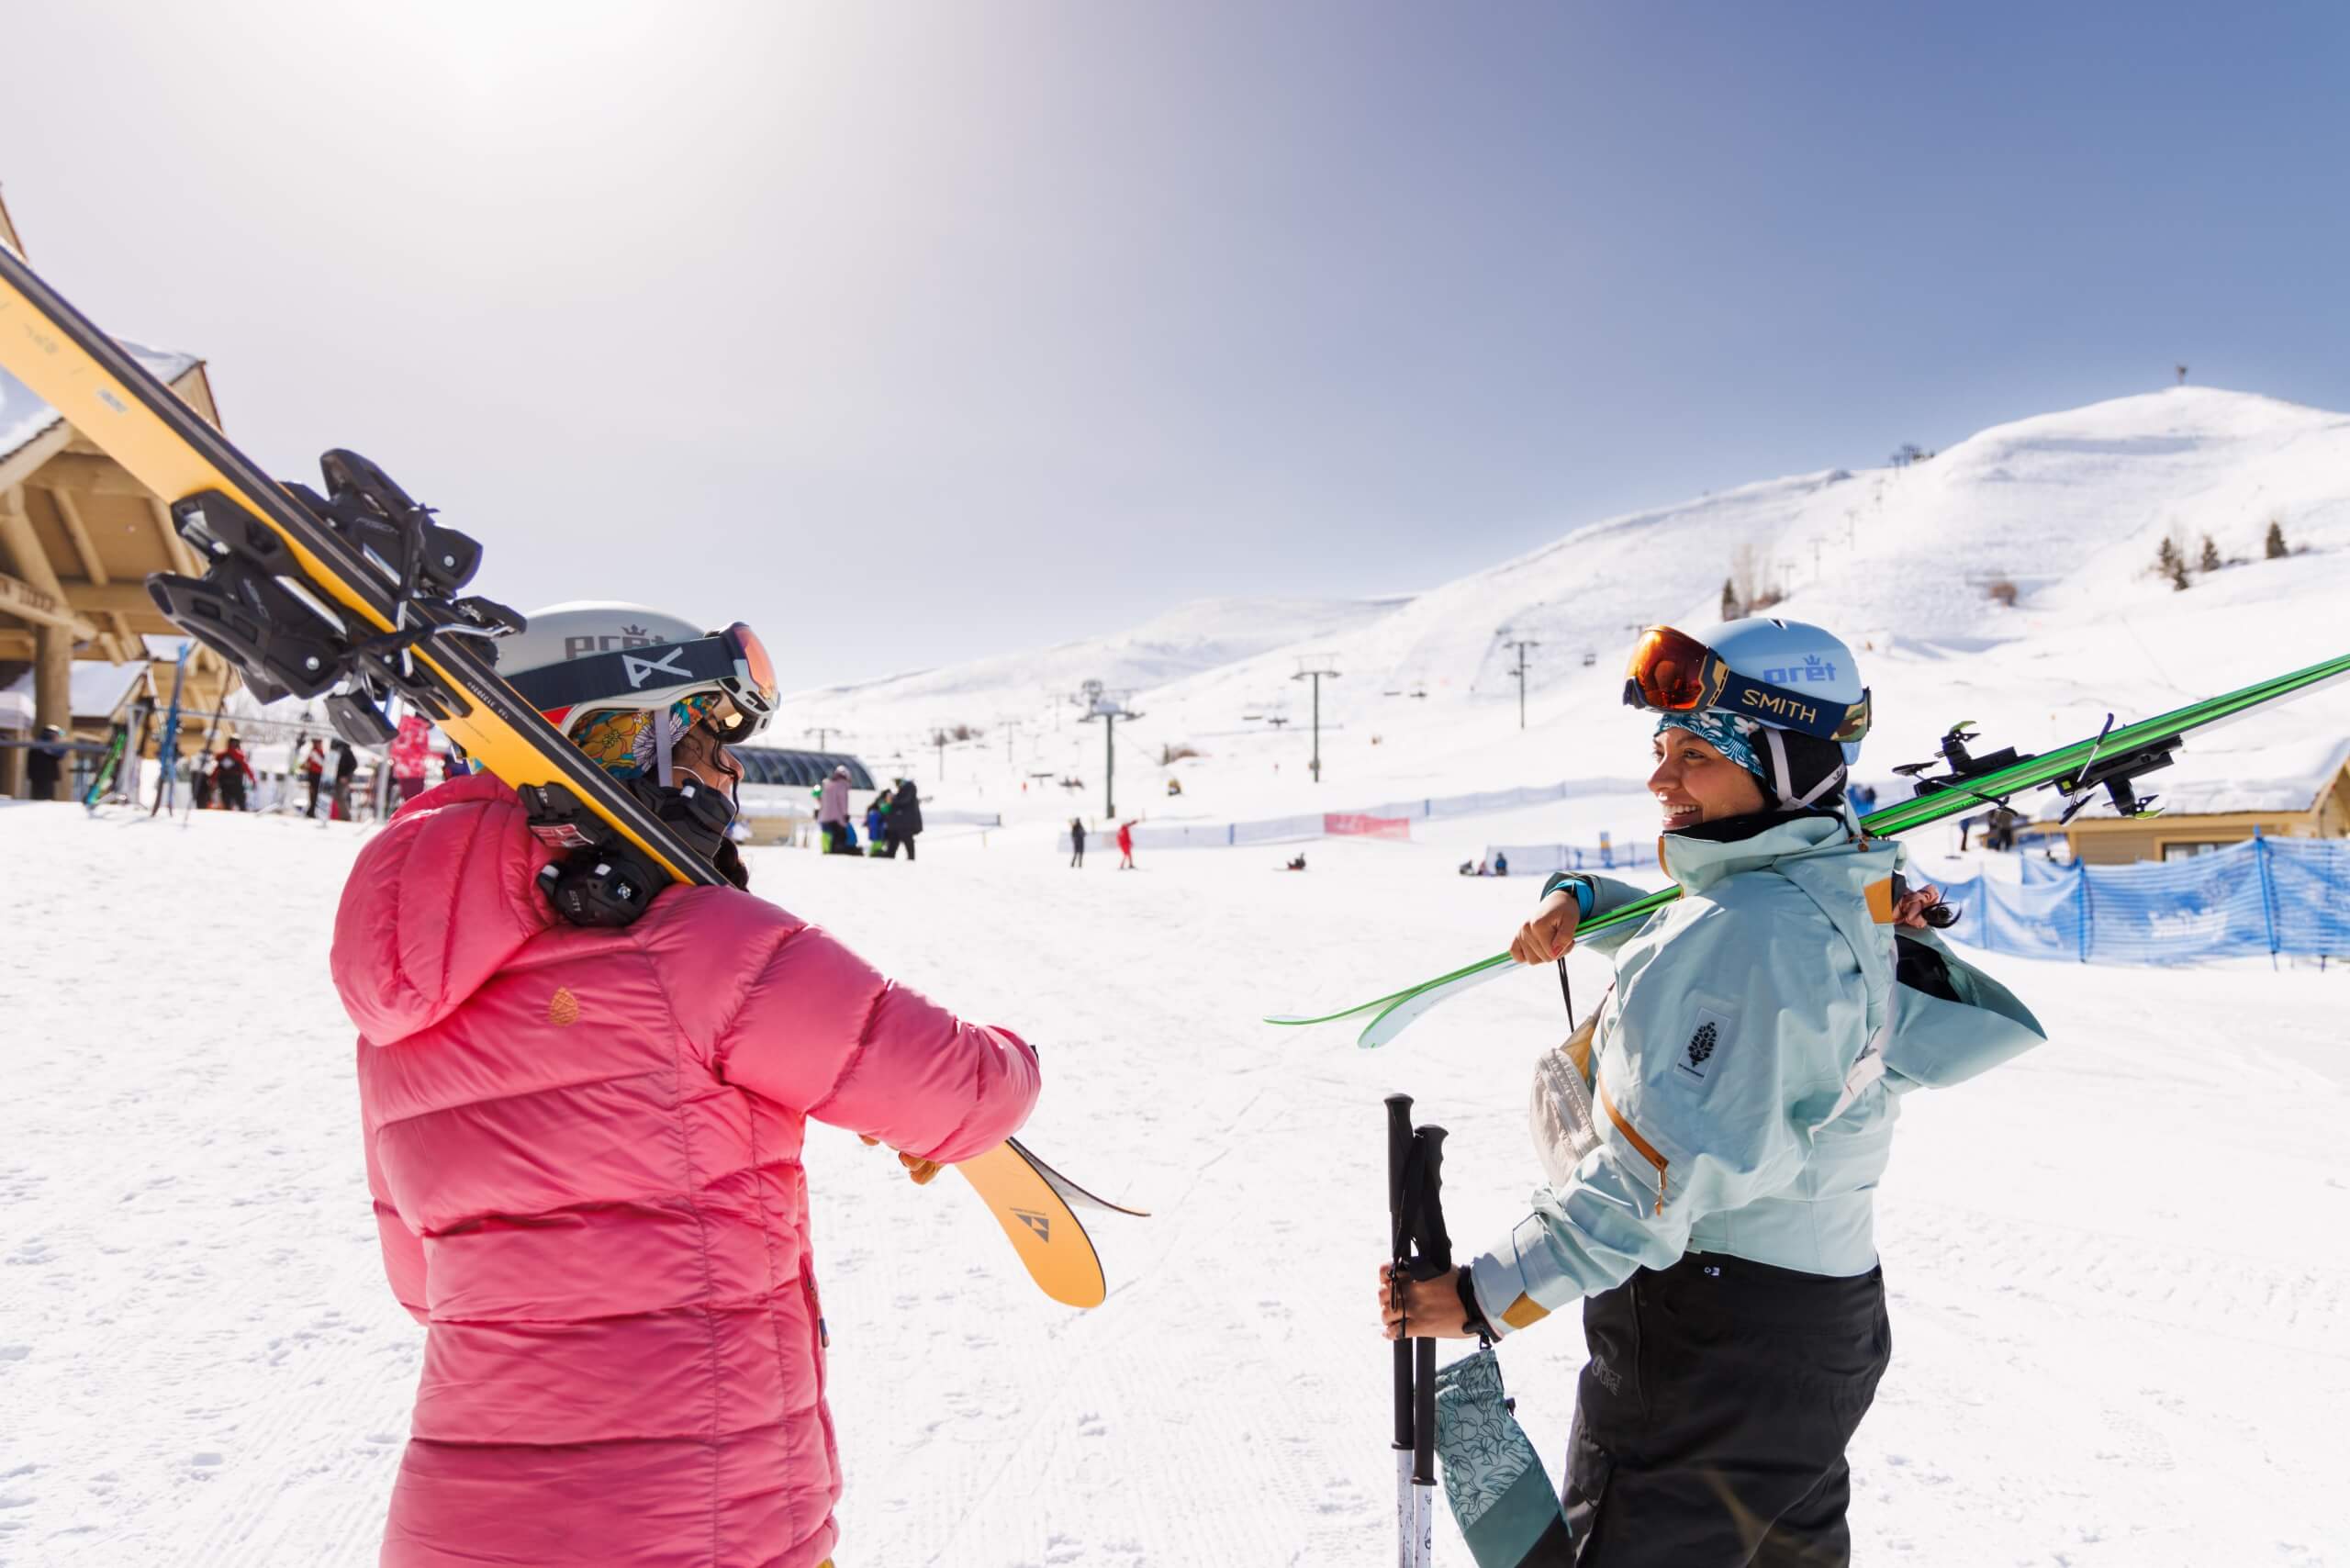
(1671, 672)
(733, 662)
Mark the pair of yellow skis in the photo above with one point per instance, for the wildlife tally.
(111, 398)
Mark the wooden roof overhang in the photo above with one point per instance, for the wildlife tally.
(78, 536)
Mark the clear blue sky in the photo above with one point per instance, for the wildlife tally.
(916, 333)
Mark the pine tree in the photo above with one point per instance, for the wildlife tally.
(2171, 563)
(2210, 559)
(2277, 540)
(1729, 597)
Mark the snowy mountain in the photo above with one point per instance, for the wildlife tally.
(1188, 640)
(2061, 514)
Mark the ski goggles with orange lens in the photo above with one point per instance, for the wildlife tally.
(1671, 672)
(734, 664)
(754, 687)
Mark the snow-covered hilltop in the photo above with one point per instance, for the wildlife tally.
(2006, 579)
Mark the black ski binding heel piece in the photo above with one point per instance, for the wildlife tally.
(2115, 773)
(256, 606)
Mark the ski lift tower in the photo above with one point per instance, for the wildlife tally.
(1316, 673)
(1521, 645)
(1109, 711)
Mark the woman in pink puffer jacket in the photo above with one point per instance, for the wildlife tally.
(584, 1147)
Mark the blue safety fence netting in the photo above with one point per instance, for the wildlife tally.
(2263, 897)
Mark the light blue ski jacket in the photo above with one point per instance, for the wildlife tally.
(1747, 1065)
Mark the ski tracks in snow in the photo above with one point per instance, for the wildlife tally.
(201, 1364)
(2117, 1310)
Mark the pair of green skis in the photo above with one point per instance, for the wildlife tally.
(2109, 759)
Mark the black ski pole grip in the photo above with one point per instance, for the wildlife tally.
(1431, 1240)
(1399, 1153)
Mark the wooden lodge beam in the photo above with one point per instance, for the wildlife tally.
(26, 602)
(22, 547)
(70, 515)
(183, 554)
(109, 599)
(28, 459)
(88, 473)
(122, 645)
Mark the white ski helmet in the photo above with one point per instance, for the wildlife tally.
(580, 661)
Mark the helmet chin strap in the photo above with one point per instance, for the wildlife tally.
(1783, 778)
(666, 771)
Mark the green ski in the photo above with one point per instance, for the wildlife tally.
(2110, 760)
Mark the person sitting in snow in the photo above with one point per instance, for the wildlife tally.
(1710, 1193)
(583, 1143)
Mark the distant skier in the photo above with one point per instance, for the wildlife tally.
(45, 762)
(875, 818)
(832, 810)
(314, 769)
(346, 768)
(1126, 846)
(411, 758)
(1501, 864)
(1076, 840)
(1710, 1196)
(231, 772)
(584, 1143)
(904, 823)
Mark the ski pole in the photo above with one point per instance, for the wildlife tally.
(1399, 1152)
(1433, 1260)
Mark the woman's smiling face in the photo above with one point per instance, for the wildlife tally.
(1693, 783)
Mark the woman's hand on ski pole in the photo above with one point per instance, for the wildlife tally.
(1551, 932)
(918, 1170)
(1431, 1307)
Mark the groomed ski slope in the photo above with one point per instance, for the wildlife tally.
(2068, 508)
(2120, 1305)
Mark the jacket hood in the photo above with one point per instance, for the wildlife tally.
(1700, 855)
(436, 903)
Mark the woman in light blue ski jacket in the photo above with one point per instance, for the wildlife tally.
(1713, 1203)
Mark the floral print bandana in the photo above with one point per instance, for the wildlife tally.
(1729, 734)
(623, 742)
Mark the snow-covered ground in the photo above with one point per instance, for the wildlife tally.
(2120, 1300)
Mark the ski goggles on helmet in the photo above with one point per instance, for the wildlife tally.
(733, 665)
(1671, 672)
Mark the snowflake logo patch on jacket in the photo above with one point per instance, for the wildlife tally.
(1690, 1066)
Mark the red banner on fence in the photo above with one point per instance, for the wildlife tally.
(1354, 824)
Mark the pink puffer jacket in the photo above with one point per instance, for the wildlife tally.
(583, 1148)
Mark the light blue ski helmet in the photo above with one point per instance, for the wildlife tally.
(1782, 699)
(1794, 656)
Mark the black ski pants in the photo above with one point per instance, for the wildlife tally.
(896, 840)
(1712, 1416)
